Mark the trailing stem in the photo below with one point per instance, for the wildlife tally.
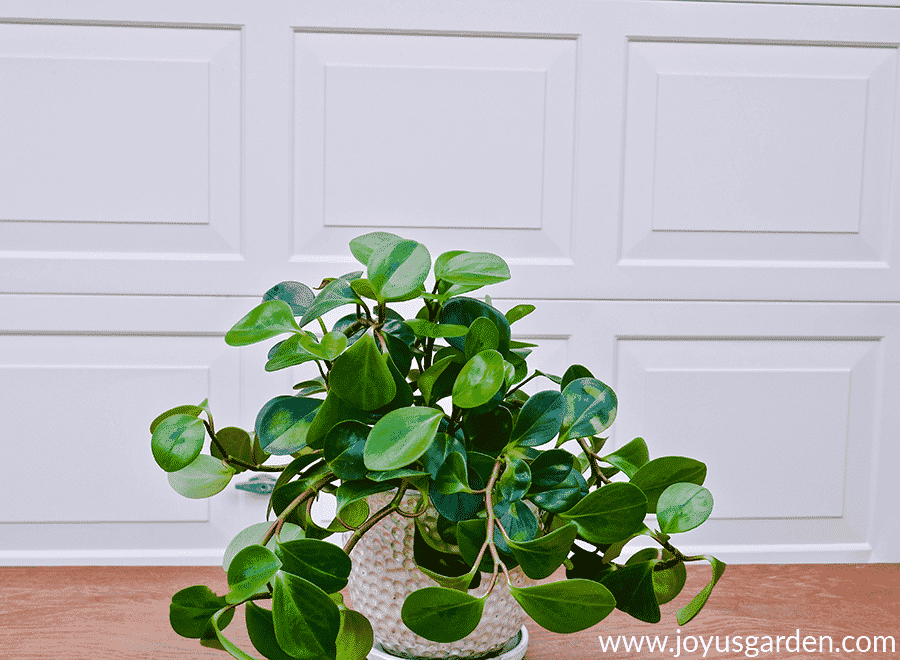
(592, 460)
(382, 513)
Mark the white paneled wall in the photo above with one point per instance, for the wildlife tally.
(701, 197)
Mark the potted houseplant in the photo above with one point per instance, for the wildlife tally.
(424, 419)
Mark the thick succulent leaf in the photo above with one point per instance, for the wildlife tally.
(401, 437)
(266, 320)
(472, 269)
(630, 458)
(328, 348)
(362, 246)
(459, 506)
(306, 620)
(336, 293)
(351, 492)
(480, 379)
(515, 480)
(682, 507)
(540, 419)
(519, 312)
(253, 534)
(213, 637)
(462, 311)
(283, 424)
(563, 496)
(660, 473)
(205, 476)
(452, 476)
(355, 637)
(332, 411)
(249, 571)
(344, 445)
(261, 630)
(668, 584)
(632, 586)
(425, 328)
(610, 513)
(517, 520)
(590, 408)
(566, 606)
(481, 336)
(324, 564)
(177, 440)
(239, 444)
(550, 469)
(362, 377)
(693, 608)
(437, 452)
(193, 411)
(396, 269)
(440, 614)
(191, 609)
(296, 294)
(288, 353)
(540, 557)
(573, 373)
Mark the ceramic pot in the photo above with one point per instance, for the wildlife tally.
(384, 573)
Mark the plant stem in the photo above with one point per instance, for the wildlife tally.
(383, 512)
(592, 460)
(300, 499)
(677, 556)
(492, 520)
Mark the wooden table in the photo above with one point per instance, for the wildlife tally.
(100, 613)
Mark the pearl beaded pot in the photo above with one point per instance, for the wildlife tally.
(385, 572)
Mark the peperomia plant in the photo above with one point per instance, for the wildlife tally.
(431, 406)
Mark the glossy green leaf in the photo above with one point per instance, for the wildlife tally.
(481, 336)
(452, 476)
(191, 609)
(632, 587)
(566, 606)
(438, 450)
(489, 431)
(363, 288)
(313, 386)
(458, 506)
(630, 458)
(667, 584)
(480, 379)
(610, 513)
(515, 480)
(254, 534)
(425, 328)
(691, 610)
(682, 507)
(328, 348)
(351, 492)
(213, 637)
(193, 411)
(335, 294)
(550, 469)
(355, 637)
(396, 269)
(362, 246)
(266, 320)
(306, 620)
(249, 572)
(296, 294)
(261, 630)
(540, 419)
(332, 411)
(288, 353)
(590, 408)
(440, 614)
(177, 441)
(563, 496)
(403, 398)
(660, 473)
(401, 437)
(203, 477)
(473, 269)
(344, 445)
(517, 520)
(519, 312)
(462, 311)
(238, 444)
(290, 471)
(574, 372)
(540, 557)
(324, 564)
(361, 376)
(437, 560)
(643, 555)
(429, 377)
(283, 424)
(587, 565)
(459, 582)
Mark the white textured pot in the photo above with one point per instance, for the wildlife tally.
(384, 573)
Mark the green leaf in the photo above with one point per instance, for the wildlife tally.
(203, 477)
(213, 637)
(458, 506)
(429, 377)
(249, 571)
(361, 376)
(590, 408)
(306, 620)
(632, 587)
(630, 458)
(471, 536)
(261, 630)
(463, 311)
(324, 564)
(238, 444)
(331, 345)
(355, 638)
(566, 606)
(424, 328)
(481, 336)
(515, 480)
(452, 476)
(647, 554)
(401, 437)
(396, 269)
(177, 441)
(472, 269)
(283, 424)
(438, 450)
(344, 449)
(480, 379)
(562, 496)
(540, 557)
(288, 353)
(573, 373)
(332, 411)
(691, 610)
(193, 411)
(610, 513)
(297, 295)
(488, 432)
(540, 419)
(660, 473)
(517, 520)
(440, 614)
(191, 609)
(518, 312)
(351, 492)
(668, 584)
(266, 320)
(253, 534)
(459, 583)
(682, 507)
(363, 246)
(335, 294)
(550, 469)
